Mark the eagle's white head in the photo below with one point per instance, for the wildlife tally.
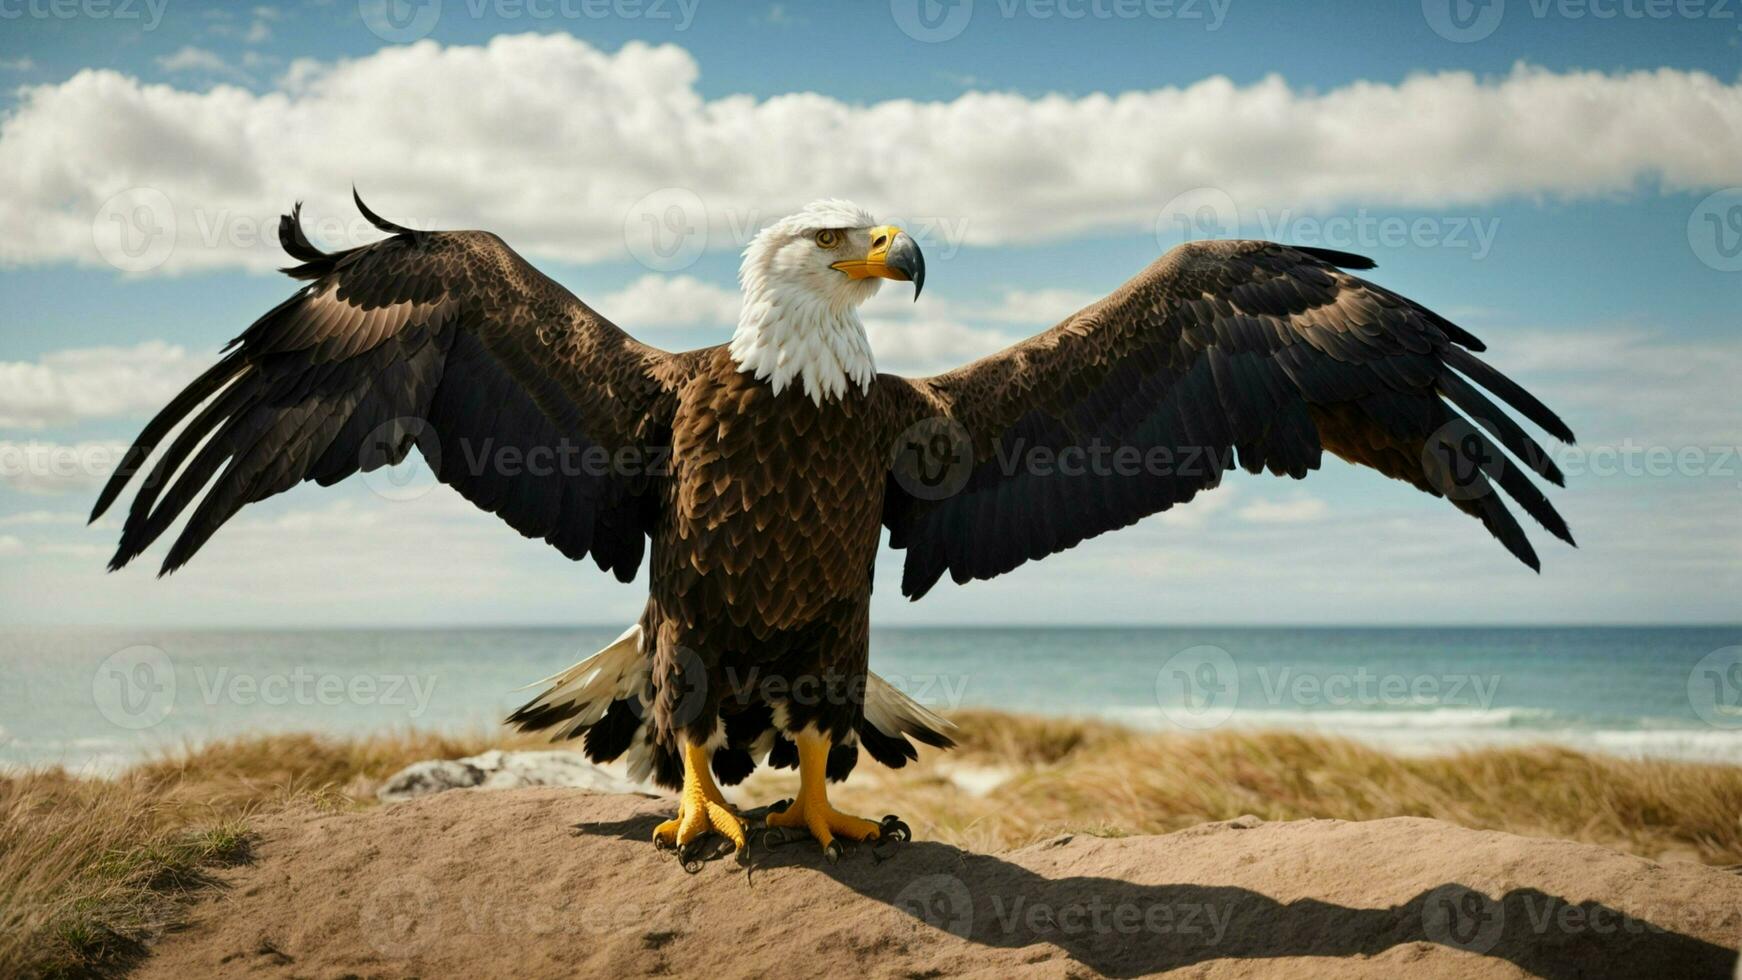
(803, 279)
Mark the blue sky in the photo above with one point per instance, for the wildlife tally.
(1551, 180)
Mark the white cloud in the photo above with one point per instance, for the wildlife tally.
(10, 545)
(930, 344)
(17, 64)
(259, 28)
(1301, 510)
(338, 555)
(92, 383)
(42, 518)
(1201, 509)
(557, 175)
(675, 301)
(55, 468)
(190, 58)
(937, 335)
(93, 553)
(1638, 385)
(1046, 306)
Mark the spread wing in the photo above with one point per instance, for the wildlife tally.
(1219, 353)
(517, 394)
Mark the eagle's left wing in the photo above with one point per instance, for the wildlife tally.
(519, 396)
(1220, 351)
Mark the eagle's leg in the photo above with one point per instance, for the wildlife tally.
(701, 807)
(812, 810)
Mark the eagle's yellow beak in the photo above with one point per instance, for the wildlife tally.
(893, 255)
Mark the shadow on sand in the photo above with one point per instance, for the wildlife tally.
(1123, 929)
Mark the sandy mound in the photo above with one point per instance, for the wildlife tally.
(560, 883)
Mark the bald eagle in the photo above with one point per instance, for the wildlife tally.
(762, 471)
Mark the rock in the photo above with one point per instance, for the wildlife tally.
(978, 780)
(497, 769)
(424, 778)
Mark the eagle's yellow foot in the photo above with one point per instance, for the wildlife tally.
(812, 811)
(701, 809)
(824, 822)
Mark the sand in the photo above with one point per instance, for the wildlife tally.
(561, 883)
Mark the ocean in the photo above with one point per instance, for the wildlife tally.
(99, 700)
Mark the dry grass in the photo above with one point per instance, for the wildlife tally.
(244, 772)
(91, 870)
(1095, 778)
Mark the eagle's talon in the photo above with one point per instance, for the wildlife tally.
(895, 830)
(703, 849)
(703, 819)
(812, 811)
(824, 822)
(780, 806)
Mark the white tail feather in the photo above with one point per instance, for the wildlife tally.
(641, 755)
(893, 713)
(614, 673)
(620, 671)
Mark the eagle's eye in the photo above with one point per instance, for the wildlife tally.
(828, 238)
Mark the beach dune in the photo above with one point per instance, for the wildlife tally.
(560, 882)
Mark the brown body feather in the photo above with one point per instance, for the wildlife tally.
(762, 561)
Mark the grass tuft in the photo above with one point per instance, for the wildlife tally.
(1094, 778)
(90, 871)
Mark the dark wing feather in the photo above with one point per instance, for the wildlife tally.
(1220, 354)
(517, 394)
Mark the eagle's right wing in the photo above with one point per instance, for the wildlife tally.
(1220, 352)
(519, 396)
